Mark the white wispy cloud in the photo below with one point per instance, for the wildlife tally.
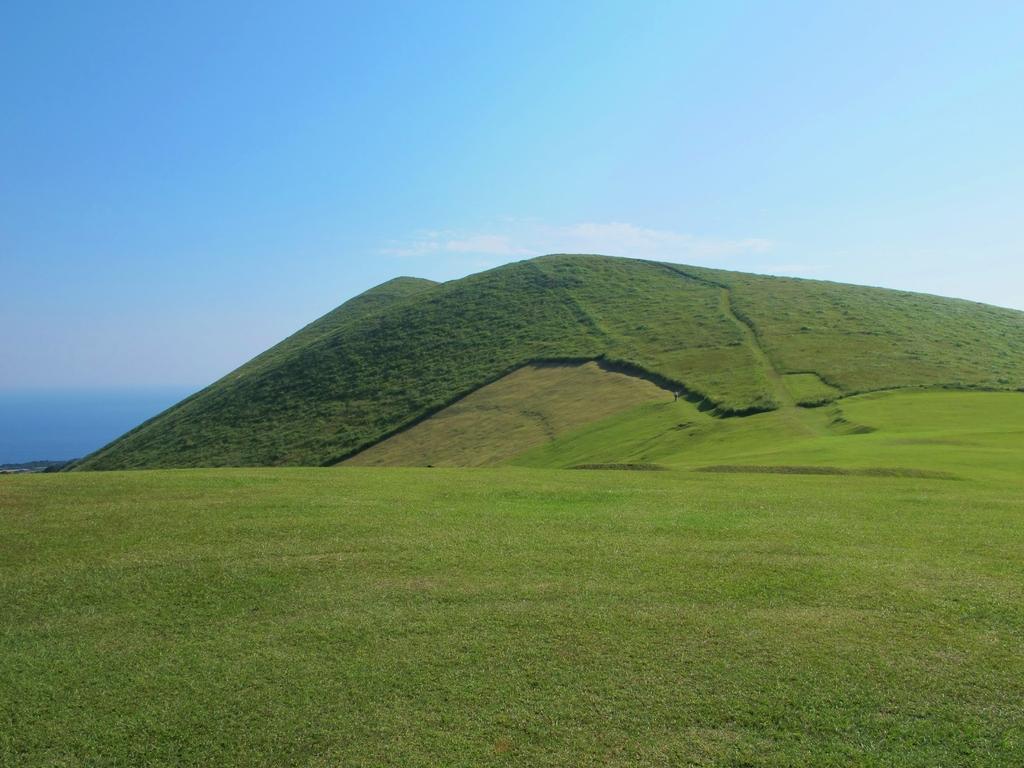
(479, 244)
(525, 239)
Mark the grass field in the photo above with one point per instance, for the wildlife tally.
(455, 617)
(518, 616)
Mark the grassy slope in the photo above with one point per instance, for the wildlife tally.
(347, 390)
(669, 324)
(527, 408)
(729, 337)
(183, 429)
(808, 389)
(860, 339)
(369, 617)
(978, 433)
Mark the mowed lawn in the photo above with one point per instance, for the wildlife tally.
(447, 617)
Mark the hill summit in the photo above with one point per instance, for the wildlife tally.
(735, 343)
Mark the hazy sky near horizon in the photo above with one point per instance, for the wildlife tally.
(184, 184)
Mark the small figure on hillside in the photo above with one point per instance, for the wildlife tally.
(676, 396)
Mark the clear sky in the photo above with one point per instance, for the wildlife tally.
(183, 184)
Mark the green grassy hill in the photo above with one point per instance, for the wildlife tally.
(733, 342)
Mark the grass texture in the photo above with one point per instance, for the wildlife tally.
(459, 617)
(527, 408)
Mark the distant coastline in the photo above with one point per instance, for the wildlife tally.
(27, 467)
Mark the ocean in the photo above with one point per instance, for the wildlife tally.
(67, 424)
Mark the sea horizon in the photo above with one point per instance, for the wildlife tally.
(64, 424)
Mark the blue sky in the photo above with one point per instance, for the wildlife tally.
(182, 185)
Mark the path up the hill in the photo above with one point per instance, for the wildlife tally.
(771, 373)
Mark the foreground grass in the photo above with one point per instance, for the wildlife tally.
(367, 617)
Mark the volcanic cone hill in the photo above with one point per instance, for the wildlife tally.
(736, 343)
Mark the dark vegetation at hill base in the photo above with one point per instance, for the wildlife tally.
(35, 466)
(739, 343)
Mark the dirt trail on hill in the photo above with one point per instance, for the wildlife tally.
(747, 330)
(771, 373)
(799, 418)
